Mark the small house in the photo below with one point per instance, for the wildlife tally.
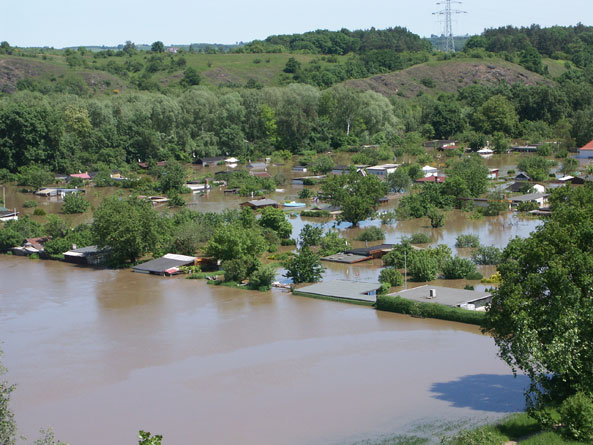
(377, 251)
(31, 246)
(345, 169)
(586, 151)
(429, 171)
(257, 166)
(493, 173)
(91, 255)
(524, 148)
(441, 144)
(438, 179)
(8, 214)
(257, 204)
(84, 176)
(522, 176)
(382, 170)
(343, 290)
(448, 296)
(214, 160)
(166, 265)
(540, 198)
(231, 161)
(300, 168)
(260, 174)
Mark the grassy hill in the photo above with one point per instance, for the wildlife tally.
(447, 76)
(97, 76)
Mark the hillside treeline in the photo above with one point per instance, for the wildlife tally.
(65, 132)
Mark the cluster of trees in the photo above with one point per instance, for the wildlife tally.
(541, 315)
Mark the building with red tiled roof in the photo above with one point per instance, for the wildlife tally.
(586, 151)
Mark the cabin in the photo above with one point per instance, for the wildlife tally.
(346, 258)
(84, 176)
(257, 204)
(382, 170)
(155, 200)
(493, 173)
(586, 151)
(166, 265)
(208, 162)
(345, 169)
(524, 148)
(438, 179)
(377, 251)
(522, 176)
(540, 198)
(31, 246)
(447, 296)
(355, 291)
(54, 191)
(260, 174)
(91, 256)
(257, 166)
(300, 168)
(197, 187)
(8, 214)
(429, 171)
(306, 180)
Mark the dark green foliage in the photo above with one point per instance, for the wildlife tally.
(29, 204)
(234, 241)
(131, 227)
(8, 428)
(399, 255)
(536, 167)
(10, 238)
(419, 238)
(75, 203)
(473, 172)
(158, 47)
(145, 438)
(399, 181)
(305, 267)
(292, 66)
(239, 268)
(332, 243)
(172, 177)
(527, 206)
(34, 176)
(57, 246)
(429, 310)
(423, 266)
(391, 276)
(288, 242)
(310, 235)
(322, 165)
(576, 415)
(191, 77)
(371, 234)
(275, 219)
(457, 267)
(487, 255)
(306, 194)
(261, 279)
(431, 195)
(467, 240)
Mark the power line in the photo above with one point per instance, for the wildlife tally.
(448, 18)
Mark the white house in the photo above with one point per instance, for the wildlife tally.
(382, 170)
(429, 171)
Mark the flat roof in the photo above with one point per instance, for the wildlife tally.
(447, 296)
(161, 265)
(346, 258)
(367, 250)
(348, 290)
(529, 197)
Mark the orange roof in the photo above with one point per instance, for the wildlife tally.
(589, 146)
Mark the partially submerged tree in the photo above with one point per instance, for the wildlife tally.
(304, 267)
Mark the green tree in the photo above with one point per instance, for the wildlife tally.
(310, 235)
(423, 266)
(234, 241)
(358, 196)
(473, 172)
(172, 177)
(131, 227)
(536, 167)
(292, 66)
(191, 77)
(261, 279)
(275, 219)
(157, 47)
(8, 427)
(304, 267)
(145, 438)
(392, 276)
(541, 316)
(332, 243)
(457, 267)
(75, 203)
(497, 114)
(437, 218)
(323, 164)
(399, 181)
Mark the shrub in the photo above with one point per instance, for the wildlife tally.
(457, 267)
(75, 203)
(467, 240)
(38, 212)
(288, 242)
(10, 238)
(437, 218)
(238, 269)
(310, 235)
(392, 276)
(29, 204)
(57, 246)
(261, 279)
(396, 258)
(332, 243)
(305, 194)
(527, 206)
(487, 256)
(423, 266)
(371, 234)
(576, 413)
(420, 238)
(432, 310)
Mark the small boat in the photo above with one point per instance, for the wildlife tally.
(294, 204)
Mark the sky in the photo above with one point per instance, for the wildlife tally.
(61, 23)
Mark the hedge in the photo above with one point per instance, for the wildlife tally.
(429, 310)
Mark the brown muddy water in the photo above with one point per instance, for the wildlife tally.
(100, 354)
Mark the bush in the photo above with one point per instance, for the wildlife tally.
(371, 234)
(305, 194)
(487, 256)
(527, 206)
(261, 279)
(576, 413)
(238, 269)
(423, 266)
(332, 243)
(57, 246)
(75, 203)
(288, 242)
(467, 240)
(29, 204)
(420, 238)
(392, 276)
(456, 268)
(432, 310)
(39, 212)
(437, 218)
(10, 238)
(310, 235)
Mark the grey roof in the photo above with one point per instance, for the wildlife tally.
(346, 258)
(262, 202)
(366, 251)
(529, 197)
(348, 290)
(160, 265)
(448, 296)
(85, 251)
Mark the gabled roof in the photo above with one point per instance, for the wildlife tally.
(588, 146)
(439, 179)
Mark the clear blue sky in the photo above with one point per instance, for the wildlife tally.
(60, 23)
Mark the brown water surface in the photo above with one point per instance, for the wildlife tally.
(100, 354)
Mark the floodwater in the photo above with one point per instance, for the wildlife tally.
(101, 354)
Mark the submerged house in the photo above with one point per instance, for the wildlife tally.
(382, 170)
(377, 251)
(31, 246)
(586, 151)
(540, 198)
(8, 214)
(91, 255)
(448, 296)
(214, 160)
(260, 203)
(166, 265)
(343, 290)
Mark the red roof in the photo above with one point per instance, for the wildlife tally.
(80, 175)
(588, 146)
(439, 179)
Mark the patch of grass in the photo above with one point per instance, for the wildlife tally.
(204, 275)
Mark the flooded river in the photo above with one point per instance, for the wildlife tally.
(100, 354)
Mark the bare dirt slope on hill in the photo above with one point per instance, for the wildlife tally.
(448, 76)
